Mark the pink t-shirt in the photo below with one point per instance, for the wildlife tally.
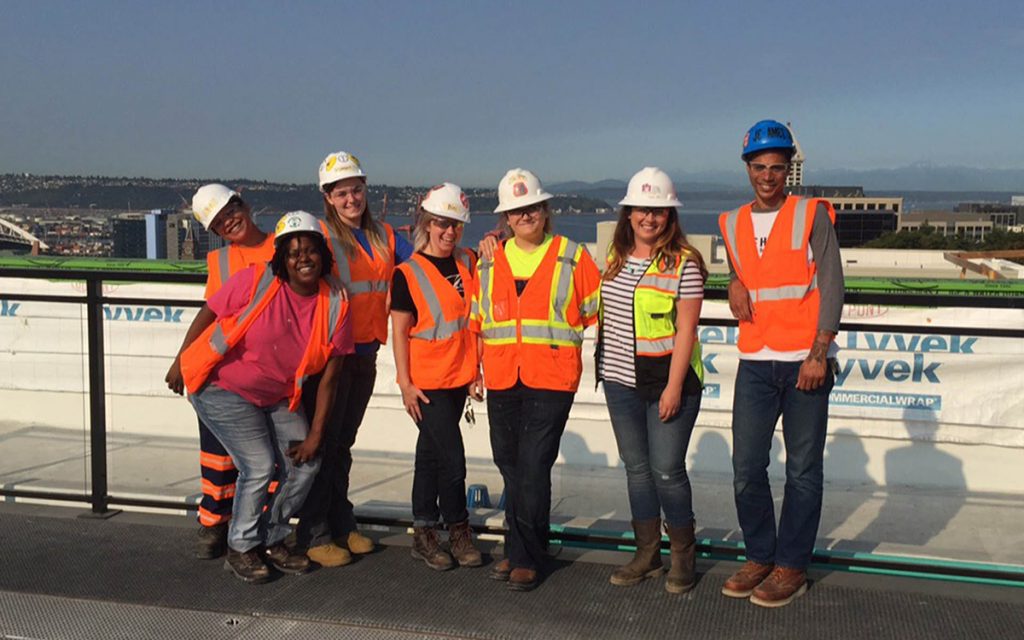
(261, 367)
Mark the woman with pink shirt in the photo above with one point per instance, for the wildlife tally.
(270, 328)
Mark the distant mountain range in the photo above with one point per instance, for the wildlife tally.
(916, 177)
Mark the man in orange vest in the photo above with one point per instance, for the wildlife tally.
(787, 293)
(221, 211)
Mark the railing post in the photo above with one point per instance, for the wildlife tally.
(97, 400)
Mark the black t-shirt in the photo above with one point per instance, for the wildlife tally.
(401, 299)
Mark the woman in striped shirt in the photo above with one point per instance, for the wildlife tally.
(649, 360)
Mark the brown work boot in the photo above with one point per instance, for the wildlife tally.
(460, 541)
(285, 561)
(426, 547)
(523, 580)
(646, 562)
(355, 542)
(683, 573)
(742, 583)
(212, 542)
(500, 571)
(247, 566)
(782, 586)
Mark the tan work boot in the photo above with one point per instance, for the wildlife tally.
(356, 542)
(329, 555)
(741, 584)
(460, 541)
(682, 575)
(426, 547)
(646, 562)
(782, 586)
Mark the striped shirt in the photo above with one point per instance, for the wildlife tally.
(618, 345)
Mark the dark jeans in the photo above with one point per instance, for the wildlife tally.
(439, 483)
(526, 427)
(764, 391)
(327, 513)
(654, 453)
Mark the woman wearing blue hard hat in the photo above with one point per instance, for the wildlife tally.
(786, 290)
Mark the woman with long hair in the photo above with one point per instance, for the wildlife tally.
(648, 358)
(365, 253)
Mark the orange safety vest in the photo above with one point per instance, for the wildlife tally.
(206, 351)
(783, 281)
(535, 337)
(442, 351)
(225, 262)
(368, 282)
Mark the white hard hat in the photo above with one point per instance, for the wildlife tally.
(519, 188)
(448, 201)
(338, 166)
(294, 222)
(209, 200)
(650, 187)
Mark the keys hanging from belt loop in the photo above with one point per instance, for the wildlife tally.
(469, 415)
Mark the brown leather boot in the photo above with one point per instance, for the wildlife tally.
(782, 586)
(426, 547)
(646, 562)
(741, 584)
(682, 575)
(460, 542)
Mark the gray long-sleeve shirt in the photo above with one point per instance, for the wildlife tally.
(825, 253)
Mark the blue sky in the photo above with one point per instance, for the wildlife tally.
(430, 91)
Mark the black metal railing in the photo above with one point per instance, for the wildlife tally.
(101, 500)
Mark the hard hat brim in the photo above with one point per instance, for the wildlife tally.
(525, 201)
(641, 202)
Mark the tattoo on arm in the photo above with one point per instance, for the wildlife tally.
(818, 351)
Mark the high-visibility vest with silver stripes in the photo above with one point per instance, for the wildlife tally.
(209, 349)
(442, 351)
(225, 262)
(535, 336)
(367, 281)
(782, 281)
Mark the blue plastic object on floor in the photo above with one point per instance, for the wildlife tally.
(477, 497)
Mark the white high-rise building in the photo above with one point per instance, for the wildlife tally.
(796, 171)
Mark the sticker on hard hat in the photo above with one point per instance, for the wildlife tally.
(746, 139)
(294, 222)
(464, 200)
(519, 189)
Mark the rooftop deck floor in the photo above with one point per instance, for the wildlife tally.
(132, 576)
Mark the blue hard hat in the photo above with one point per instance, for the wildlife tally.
(767, 134)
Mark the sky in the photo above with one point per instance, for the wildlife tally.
(424, 92)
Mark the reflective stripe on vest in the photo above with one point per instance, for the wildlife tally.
(442, 328)
(218, 341)
(224, 265)
(791, 292)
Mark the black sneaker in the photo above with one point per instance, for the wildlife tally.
(247, 566)
(212, 542)
(285, 561)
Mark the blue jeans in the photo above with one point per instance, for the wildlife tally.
(526, 428)
(764, 391)
(257, 438)
(654, 453)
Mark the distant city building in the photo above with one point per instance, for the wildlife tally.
(129, 236)
(1001, 214)
(1017, 201)
(859, 218)
(182, 238)
(796, 169)
(949, 223)
(156, 235)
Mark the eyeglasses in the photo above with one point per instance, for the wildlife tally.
(776, 169)
(445, 224)
(643, 212)
(525, 211)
